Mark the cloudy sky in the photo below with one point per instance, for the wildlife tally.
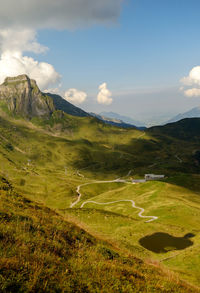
(136, 57)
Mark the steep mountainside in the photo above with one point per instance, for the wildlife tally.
(65, 106)
(22, 97)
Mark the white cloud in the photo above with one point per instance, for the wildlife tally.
(12, 62)
(54, 90)
(13, 40)
(64, 14)
(194, 92)
(21, 19)
(104, 95)
(193, 81)
(75, 96)
(193, 78)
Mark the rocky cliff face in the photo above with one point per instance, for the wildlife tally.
(23, 97)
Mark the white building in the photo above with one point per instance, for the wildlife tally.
(149, 177)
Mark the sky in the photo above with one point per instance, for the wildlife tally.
(139, 58)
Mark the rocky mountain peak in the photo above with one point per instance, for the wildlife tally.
(23, 97)
(19, 78)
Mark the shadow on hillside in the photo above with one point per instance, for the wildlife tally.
(162, 242)
(93, 211)
(144, 156)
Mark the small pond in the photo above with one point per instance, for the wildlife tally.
(162, 242)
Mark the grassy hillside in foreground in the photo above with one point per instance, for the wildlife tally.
(41, 252)
(42, 159)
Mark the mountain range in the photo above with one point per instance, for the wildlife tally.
(114, 121)
(125, 119)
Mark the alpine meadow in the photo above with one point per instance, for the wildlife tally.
(99, 170)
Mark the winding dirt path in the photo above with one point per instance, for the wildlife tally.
(89, 183)
(152, 218)
(141, 135)
(79, 174)
(140, 214)
(179, 159)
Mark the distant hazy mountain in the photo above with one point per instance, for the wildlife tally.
(125, 119)
(194, 113)
(114, 122)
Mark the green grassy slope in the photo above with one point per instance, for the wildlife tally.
(41, 252)
(185, 129)
(177, 209)
(41, 160)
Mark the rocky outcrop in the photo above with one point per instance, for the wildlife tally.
(23, 97)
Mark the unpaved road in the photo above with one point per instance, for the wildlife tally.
(179, 159)
(152, 218)
(141, 135)
(140, 214)
(89, 183)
